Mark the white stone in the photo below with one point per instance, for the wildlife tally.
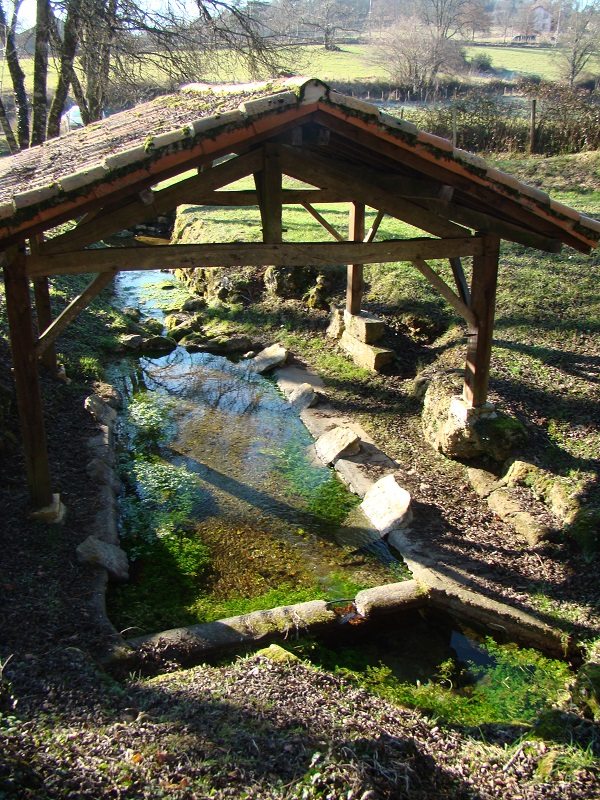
(269, 358)
(387, 505)
(312, 91)
(7, 209)
(218, 120)
(335, 443)
(97, 553)
(354, 103)
(303, 396)
(52, 514)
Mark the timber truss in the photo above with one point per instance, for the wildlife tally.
(340, 159)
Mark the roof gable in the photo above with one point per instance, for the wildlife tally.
(132, 150)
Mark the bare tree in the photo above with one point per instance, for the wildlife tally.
(444, 18)
(580, 42)
(99, 41)
(413, 56)
(331, 17)
(17, 75)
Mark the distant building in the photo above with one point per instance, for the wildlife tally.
(541, 20)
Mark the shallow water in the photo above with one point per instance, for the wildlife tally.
(267, 504)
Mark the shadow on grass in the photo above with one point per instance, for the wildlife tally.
(584, 367)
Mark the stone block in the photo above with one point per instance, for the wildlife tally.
(303, 396)
(354, 476)
(336, 324)
(482, 481)
(97, 553)
(366, 355)
(100, 410)
(387, 505)
(269, 358)
(335, 443)
(364, 326)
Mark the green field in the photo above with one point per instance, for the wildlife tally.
(355, 62)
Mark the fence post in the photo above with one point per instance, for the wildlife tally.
(532, 126)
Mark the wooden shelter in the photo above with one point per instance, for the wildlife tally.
(106, 177)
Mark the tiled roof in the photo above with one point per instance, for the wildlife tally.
(94, 160)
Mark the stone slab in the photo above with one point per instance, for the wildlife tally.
(482, 481)
(366, 355)
(335, 443)
(387, 505)
(390, 598)
(290, 377)
(303, 396)
(100, 410)
(97, 553)
(269, 358)
(354, 476)
(365, 327)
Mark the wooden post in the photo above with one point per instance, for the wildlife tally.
(29, 399)
(483, 306)
(355, 284)
(268, 188)
(532, 125)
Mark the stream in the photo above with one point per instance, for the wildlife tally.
(269, 513)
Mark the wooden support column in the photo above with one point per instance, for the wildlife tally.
(268, 188)
(43, 309)
(355, 284)
(29, 399)
(483, 306)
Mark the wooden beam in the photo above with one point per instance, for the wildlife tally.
(360, 138)
(136, 211)
(292, 254)
(485, 223)
(374, 227)
(355, 279)
(29, 399)
(460, 280)
(317, 169)
(483, 306)
(241, 198)
(53, 331)
(322, 221)
(44, 318)
(446, 292)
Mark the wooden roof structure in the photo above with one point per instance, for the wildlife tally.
(107, 176)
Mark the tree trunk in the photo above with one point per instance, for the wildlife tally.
(40, 73)
(68, 48)
(13, 145)
(17, 77)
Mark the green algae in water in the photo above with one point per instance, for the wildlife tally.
(266, 520)
(421, 662)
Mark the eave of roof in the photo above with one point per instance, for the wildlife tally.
(159, 138)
